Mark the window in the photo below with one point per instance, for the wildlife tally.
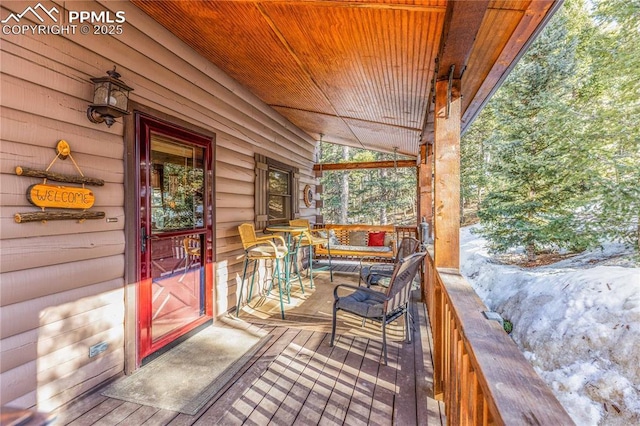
(177, 185)
(275, 192)
(279, 198)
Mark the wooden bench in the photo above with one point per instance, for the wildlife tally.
(351, 241)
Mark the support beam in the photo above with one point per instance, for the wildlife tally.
(387, 164)
(447, 176)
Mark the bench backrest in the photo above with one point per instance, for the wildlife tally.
(342, 231)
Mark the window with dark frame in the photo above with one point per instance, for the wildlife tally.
(276, 189)
(279, 196)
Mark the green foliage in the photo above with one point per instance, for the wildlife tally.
(555, 156)
(615, 121)
(474, 158)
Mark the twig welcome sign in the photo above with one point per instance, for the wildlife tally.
(45, 195)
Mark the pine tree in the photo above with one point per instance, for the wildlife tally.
(560, 157)
(473, 160)
(331, 183)
(615, 122)
(537, 163)
(373, 196)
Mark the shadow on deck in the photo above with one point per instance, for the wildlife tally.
(297, 378)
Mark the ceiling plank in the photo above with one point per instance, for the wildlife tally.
(359, 72)
(436, 6)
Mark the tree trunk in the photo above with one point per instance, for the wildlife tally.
(531, 252)
(344, 195)
(383, 176)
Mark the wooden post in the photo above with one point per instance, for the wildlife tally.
(447, 175)
(425, 208)
(425, 170)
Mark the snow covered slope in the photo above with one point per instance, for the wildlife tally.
(577, 321)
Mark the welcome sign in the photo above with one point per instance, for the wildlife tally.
(64, 197)
(59, 197)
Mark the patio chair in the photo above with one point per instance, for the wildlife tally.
(310, 239)
(384, 307)
(380, 273)
(260, 248)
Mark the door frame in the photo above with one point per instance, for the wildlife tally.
(132, 218)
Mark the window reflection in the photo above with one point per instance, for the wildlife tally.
(177, 185)
(279, 196)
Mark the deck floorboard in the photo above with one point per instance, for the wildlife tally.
(298, 379)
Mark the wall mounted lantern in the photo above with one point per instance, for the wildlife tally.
(110, 99)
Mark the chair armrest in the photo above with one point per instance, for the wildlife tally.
(268, 241)
(301, 239)
(269, 238)
(369, 260)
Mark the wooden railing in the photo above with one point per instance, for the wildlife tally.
(479, 372)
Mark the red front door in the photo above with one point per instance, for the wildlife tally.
(175, 233)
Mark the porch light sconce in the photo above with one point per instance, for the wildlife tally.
(110, 99)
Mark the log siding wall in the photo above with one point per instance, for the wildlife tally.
(62, 283)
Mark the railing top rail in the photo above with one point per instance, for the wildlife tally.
(514, 391)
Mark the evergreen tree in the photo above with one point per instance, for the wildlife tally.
(373, 196)
(615, 122)
(332, 183)
(536, 161)
(473, 160)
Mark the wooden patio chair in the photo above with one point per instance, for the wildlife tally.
(260, 248)
(378, 306)
(372, 273)
(310, 239)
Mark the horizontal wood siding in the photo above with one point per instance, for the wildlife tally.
(62, 282)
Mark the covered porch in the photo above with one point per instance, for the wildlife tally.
(460, 368)
(297, 378)
(392, 76)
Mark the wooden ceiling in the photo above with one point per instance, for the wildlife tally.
(360, 72)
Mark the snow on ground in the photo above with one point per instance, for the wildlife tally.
(577, 321)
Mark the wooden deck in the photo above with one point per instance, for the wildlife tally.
(297, 378)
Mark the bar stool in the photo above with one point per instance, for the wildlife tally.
(260, 248)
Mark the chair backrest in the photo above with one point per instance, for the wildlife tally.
(408, 246)
(247, 234)
(191, 246)
(401, 280)
(300, 222)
